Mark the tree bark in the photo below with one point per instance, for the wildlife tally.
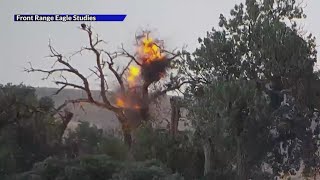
(175, 116)
(126, 129)
(145, 102)
(66, 118)
(207, 157)
(127, 137)
(242, 173)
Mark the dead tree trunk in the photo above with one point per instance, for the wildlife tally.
(126, 128)
(127, 135)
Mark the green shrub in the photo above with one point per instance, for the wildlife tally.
(100, 167)
(96, 167)
(146, 170)
(91, 140)
(74, 172)
(113, 147)
(28, 130)
(178, 153)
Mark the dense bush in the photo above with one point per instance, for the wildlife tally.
(28, 130)
(96, 167)
(179, 153)
(88, 139)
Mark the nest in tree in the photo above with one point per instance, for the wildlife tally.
(154, 71)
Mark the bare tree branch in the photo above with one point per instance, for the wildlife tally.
(72, 70)
(60, 89)
(126, 68)
(69, 68)
(127, 54)
(168, 89)
(115, 73)
(77, 101)
(100, 69)
(48, 72)
(70, 84)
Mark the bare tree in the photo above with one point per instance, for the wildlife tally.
(105, 61)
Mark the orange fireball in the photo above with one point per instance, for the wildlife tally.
(120, 102)
(134, 72)
(149, 50)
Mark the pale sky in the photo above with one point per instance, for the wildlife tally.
(177, 22)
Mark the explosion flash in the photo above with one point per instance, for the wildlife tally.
(149, 51)
(152, 67)
(130, 102)
(134, 72)
(120, 103)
